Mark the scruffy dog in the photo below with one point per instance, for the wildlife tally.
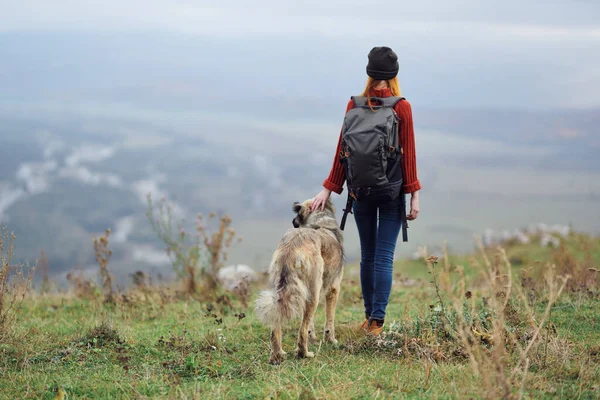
(307, 263)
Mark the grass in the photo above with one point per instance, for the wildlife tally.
(154, 344)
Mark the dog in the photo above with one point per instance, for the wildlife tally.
(307, 263)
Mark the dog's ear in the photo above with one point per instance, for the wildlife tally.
(296, 207)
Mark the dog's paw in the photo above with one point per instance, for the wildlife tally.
(329, 336)
(305, 354)
(277, 358)
(331, 340)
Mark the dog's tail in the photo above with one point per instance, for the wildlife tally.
(284, 302)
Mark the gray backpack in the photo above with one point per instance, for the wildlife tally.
(371, 154)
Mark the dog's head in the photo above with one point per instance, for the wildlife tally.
(304, 216)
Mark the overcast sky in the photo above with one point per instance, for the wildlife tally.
(469, 52)
(550, 19)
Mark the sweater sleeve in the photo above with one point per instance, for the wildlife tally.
(337, 175)
(407, 141)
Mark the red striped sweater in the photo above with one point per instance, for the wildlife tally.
(337, 176)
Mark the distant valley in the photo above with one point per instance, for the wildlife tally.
(68, 175)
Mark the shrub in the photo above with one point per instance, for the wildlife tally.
(194, 256)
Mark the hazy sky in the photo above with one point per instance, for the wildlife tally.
(469, 53)
(513, 19)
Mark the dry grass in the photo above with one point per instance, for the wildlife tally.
(513, 330)
(490, 321)
(243, 292)
(80, 286)
(141, 280)
(14, 283)
(103, 254)
(44, 268)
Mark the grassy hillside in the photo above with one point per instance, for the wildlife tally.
(157, 343)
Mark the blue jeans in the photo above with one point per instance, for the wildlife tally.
(378, 238)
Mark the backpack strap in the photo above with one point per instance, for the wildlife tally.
(391, 101)
(347, 210)
(359, 101)
(403, 217)
(362, 101)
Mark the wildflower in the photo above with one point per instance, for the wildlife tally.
(432, 260)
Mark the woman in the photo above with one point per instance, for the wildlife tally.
(379, 225)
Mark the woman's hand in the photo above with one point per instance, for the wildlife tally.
(320, 200)
(414, 206)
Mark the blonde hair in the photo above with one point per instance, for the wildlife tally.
(393, 84)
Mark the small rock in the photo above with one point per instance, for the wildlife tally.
(232, 275)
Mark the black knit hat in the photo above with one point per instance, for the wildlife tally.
(383, 63)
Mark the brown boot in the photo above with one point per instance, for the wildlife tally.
(374, 327)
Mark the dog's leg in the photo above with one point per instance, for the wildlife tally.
(277, 353)
(331, 300)
(302, 350)
(312, 333)
(309, 312)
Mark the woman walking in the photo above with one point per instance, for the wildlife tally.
(376, 157)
